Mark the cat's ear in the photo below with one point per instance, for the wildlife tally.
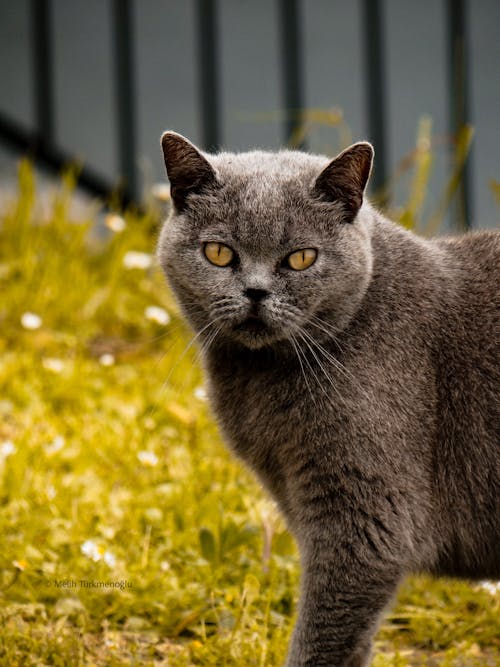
(187, 170)
(345, 178)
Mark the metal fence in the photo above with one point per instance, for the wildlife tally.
(40, 141)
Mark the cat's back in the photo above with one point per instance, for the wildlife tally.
(476, 260)
(468, 419)
(472, 309)
(483, 246)
(469, 341)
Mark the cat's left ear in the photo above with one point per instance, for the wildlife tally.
(187, 169)
(345, 178)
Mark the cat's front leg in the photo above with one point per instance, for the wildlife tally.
(341, 601)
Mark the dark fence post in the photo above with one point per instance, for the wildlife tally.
(207, 38)
(42, 69)
(33, 144)
(291, 58)
(125, 95)
(375, 87)
(458, 99)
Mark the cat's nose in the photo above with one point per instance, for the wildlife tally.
(256, 295)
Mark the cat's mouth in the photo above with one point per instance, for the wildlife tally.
(252, 324)
(254, 331)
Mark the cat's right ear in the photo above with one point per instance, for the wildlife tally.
(344, 179)
(187, 170)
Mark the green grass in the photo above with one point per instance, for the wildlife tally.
(197, 565)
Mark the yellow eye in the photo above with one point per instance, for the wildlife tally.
(218, 253)
(301, 259)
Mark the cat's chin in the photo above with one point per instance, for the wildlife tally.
(254, 333)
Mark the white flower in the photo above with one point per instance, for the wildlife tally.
(56, 444)
(20, 564)
(106, 359)
(53, 364)
(161, 191)
(109, 559)
(96, 553)
(51, 492)
(90, 549)
(492, 587)
(200, 393)
(6, 449)
(137, 260)
(115, 222)
(147, 458)
(157, 314)
(31, 321)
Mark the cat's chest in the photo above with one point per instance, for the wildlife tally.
(265, 418)
(267, 411)
(257, 405)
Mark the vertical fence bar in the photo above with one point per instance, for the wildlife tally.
(125, 95)
(207, 39)
(458, 100)
(373, 40)
(291, 58)
(42, 69)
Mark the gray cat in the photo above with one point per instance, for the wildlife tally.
(352, 365)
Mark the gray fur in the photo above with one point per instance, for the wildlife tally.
(375, 427)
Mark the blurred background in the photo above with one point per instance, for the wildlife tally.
(98, 81)
(129, 534)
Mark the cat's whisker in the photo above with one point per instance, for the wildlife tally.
(331, 332)
(326, 353)
(202, 349)
(207, 343)
(153, 409)
(340, 367)
(321, 366)
(297, 350)
(224, 310)
(311, 368)
(223, 299)
(327, 328)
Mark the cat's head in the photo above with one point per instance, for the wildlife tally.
(261, 247)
